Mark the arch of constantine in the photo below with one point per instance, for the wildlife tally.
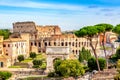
(55, 53)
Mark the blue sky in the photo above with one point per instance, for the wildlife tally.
(68, 14)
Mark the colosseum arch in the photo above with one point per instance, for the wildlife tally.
(55, 53)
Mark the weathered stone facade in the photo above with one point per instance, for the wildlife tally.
(24, 27)
(56, 52)
(48, 31)
(51, 35)
(70, 40)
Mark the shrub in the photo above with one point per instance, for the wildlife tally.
(68, 68)
(93, 65)
(43, 66)
(33, 55)
(117, 77)
(37, 62)
(102, 63)
(5, 74)
(51, 74)
(35, 66)
(118, 53)
(84, 55)
(20, 58)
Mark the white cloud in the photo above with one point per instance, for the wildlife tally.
(79, 15)
(30, 4)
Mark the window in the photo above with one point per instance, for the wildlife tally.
(35, 44)
(62, 44)
(31, 44)
(79, 44)
(73, 44)
(4, 45)
(8, 45)
(45, 43)
(82, 43)
(1, 64)
(65, 43)
(69, 43)
(49, 44)
(76, 51)
(15, 45)
(54, 43)
(76, 44)
(73, 51)
(6, 54)
(39, 44)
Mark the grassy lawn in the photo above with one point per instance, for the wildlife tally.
(39, 56)
(27, 60)
(14, 67)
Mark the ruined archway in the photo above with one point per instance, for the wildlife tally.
(56, 52)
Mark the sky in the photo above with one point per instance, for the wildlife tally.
(68, 14)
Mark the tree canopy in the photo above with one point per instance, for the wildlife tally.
(20, 58)
(84, 55)
(90, 32)
(4, 75)
(107, 27)
(33, 55)
(117, 29)
(5, 32)
(68, 68)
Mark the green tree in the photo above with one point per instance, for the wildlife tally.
(106, 28)
(5, 75)
(37, 63)
(117, 77)
(5, 32)
(93, 65)
(68, 68)
(20, 58)
(116, 29)
(33, 55)
(84, 55)
(90, 32)
(118, 53)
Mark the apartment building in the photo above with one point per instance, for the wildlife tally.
(14, 47)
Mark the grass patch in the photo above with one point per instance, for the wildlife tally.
(41, 56)
(14, 66)
(27, 60)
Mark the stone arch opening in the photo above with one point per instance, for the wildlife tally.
(55, 59)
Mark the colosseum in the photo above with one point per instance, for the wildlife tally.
(49, 35)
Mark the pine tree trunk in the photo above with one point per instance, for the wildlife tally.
(105, 50)
(94, 51)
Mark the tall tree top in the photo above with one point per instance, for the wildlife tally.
(117, 29)
(88, 31)
(107, 27)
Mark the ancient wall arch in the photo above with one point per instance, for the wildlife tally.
(56, 52)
